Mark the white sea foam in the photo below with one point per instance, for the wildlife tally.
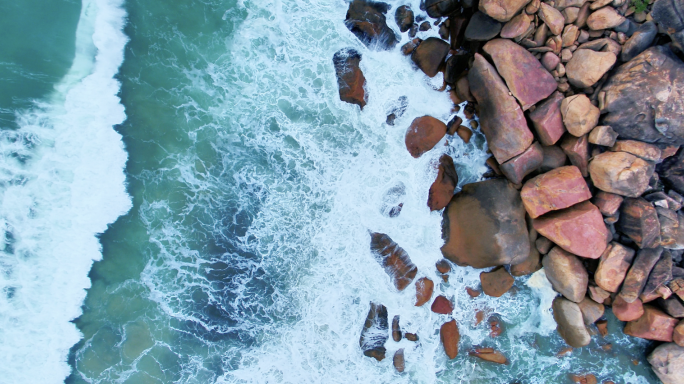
(62, 183)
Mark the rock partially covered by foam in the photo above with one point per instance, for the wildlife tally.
(350, 79)
(366, 20)
(394, 259)
(375, 332)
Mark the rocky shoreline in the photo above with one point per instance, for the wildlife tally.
(581, 103)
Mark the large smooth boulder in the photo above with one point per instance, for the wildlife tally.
(636, 278)
(667, 361)
(501, 118)
(570, 322)
(579, 229)
(566, 274)
(557, 189)
(605, 18)
(350, 79)
(430, 54)
(442, 190)
(517, 66)
(449, 335)
(587, 67)
(613, 266)
(484, 226)
(639, 221)
(423, 134)
(502, 10)
(644, 99)
(393, 259)
(522, 165)
(375, 332)
(654, 324)
(366, 20)
(497, 282)
(548, 120)
(620, 173)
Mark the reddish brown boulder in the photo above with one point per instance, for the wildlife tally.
(522, 165)
(678, 334)
(374, 333)
(543, 245)
(489, 354)
(443, 266)
(557, 189)
(424, 288)
(552, 18)
(442, 190)
(620, 173)
(530, 265)
(577, 149)
(516, 26)
(625, 311)
(636, 277)
(547, 119)
(578, 229)
(607, 203)
(398, 360)
(587, 67)
(442, 305)
(598, 294)
(667, 360)
(554, 157)
(603, 135)
(495, 232)
(503, 52)
(566, 274)
(579, 115)
(497, 282)
(450, 337)
(403, 16)
(648, 152)
(430, 54)
(654, 324)
(591, 310)
(366, 20)
(639, 221)
(350, 79)
(613, 267)
(423, 134)
(502, 10)
(393, 259)
(501, 119)
(570, 322)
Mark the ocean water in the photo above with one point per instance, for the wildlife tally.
(199, 153)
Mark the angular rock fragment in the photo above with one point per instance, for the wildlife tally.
(496, 282)
(424, 288)
(566, 274)
(350, 79)
(638, 274)
(577, 149)
(516, 26)
(654, 324)
(522, 165)
(640, 40)
(587, 66)
(613, 266)
(366, 20)
(671, 172)
(598, 294)
(625, 311)
(403, 16)
(423, 134)
(671, 228)
(557, 189)
(648, 152)
(375, 332)
(547, 119)
(396, 330)
(620, 173)
(591, 310)
(393, 259)
(450, 337)
(579, 115)
(494, 233)
(603, 135)
(607, 203)
(442, 190)
(554, 157)
(639, 221)
(660, 274)
(570, 322)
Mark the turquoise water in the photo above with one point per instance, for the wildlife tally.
(243, 253)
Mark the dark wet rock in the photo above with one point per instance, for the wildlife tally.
(554, 157)
(494, 233)
(430, 54)
(531, 264)
(403, 16)
(638, 274)
(496, 282)
(548, 120)
(393, 259)
(398, 360)
(620, 173)
(397, 109)
(375, 332)
(543, 245)
(366, 20)
(660, 274)
(450, 337)
(644, 99)
(667, 361)
(392, 200)
(639, 221)
(456, 65)
(411, 336)
(501, 118)
(482, 28)
(566, 274)
(669, 14)
(579, 115)
(424, 26)
(424, 289)
(442, 189)
(570, 322)
(350, 79)
(672, 172)
(423, 134)
(458, 23)
(439, 8)
(502, 10)
(396, 329)
(640, 41)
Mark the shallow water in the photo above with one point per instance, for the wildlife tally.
(245, 256)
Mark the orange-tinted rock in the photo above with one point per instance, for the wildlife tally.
(620, 173)
(522, 165)
(495, 329)
(654, 324)
(584, 379)
(502, 10)
(367, 21)
(587, 67)
(577, 149)
(450, 337)
(552, 18)
(350, 79)
(678, 334)
(547, 119)
(443, 266)
(579, 115)
(602, 326)
(554, 157)
(423, 134)
(607, 203)
(570, 323)
(639, 221)
(424, 288)
(557, 189)
(495, 232)
(503, 52)
(497, 282)
(605, 18)
(625, 311)
(393, 259)
(398, 360)
(591, 310)
(489, 354)
(578, 229)
(638, 274)
(613, 267)
(603, 135)
(442, 189)
(648, 152)
(531, 264)
(516, 26)
(430, 54)
(566, 274)
(464, 133)
(374, 333)
(501, 118)
(442, 305)
(473, 292)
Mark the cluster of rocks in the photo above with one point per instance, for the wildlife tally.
(581, 103)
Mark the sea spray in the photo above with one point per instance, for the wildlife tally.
(62, 182)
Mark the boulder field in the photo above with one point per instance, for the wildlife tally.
(582, 106)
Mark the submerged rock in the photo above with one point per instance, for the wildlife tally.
(375, 332)
(350, 79)
(489, 354)
(394, 259)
